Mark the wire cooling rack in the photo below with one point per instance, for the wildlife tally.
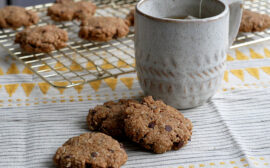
(83, 61)
(243, 39)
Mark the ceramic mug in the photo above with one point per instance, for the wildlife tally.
(182, 61)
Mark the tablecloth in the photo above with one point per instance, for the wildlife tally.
(230, 131)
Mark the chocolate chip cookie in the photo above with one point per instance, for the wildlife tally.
(66, 10)
(103, 28)
(42, 39)
(95, 150)
(109, 118)
(15, 17)
(157, 126)
(253, 22)
(131, 17)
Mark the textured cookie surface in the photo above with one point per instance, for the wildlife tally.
(103, 28)
(156, 126)
(95, 150)
(66, 10)
(108, 118)
(131, 17)
(252, 21)
(42, 39)
(15, 17)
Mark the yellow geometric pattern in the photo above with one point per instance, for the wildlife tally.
(128, 82)
(239, 56)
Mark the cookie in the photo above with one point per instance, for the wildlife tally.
(15, 17)
(253, 22)
(109, 118)
(95, 150)
(103, 28)
(67, 10)
(157, 126)
(131, 17)
(42, 39)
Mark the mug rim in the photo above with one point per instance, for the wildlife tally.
(212, 18)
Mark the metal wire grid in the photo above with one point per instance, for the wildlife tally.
(243, 39)
(81, 61)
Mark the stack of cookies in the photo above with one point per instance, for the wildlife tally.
(152, 124)
(49, 37)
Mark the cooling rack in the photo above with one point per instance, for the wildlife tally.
(83, 61)
(243, 39)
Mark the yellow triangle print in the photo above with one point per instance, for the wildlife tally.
(90, 66)
(44, 87)
(27, 71)
(122, 64)
(95, 85)
(13, 69)
(111, 82)
(266, 70)
(78, 88)
(128, 82)
(267, 53)
(253, 72)
(255, 55)
(44, 67)
(240, 55)
(75, 67)
(106, 65)
(226, 76)
(28, 88)
(60, 67)
(11, 89)
(230, 58)
(134, 64)
(1, 71)
(61, 90)
(238, 73)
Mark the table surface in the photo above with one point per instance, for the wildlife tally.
(232, 130)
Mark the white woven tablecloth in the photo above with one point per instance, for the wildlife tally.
(231, 131)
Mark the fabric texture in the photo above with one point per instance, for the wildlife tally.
(230, 131)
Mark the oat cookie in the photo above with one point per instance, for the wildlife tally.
(131, 17)
(42, 39)
(108, 118)
(103, 28)
(95, 150)
(157, 126)
(253, 22)
(15, 17)
(66, 10)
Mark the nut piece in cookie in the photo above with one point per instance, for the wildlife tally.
(67, 10)
(253, 22)
(103, 28)
(109, 118)
(42, 39)
(131, 17)
(15, 17)
(157, 126)
(95, 150)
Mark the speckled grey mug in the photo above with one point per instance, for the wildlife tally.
(182, 61)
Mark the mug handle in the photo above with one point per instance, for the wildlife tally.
(236, 9)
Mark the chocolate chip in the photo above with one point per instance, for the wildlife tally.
(111, 150)
(152, 124)
(67, 157)
(189, 139)
(178, 144)
(94, 154)
(168, 128)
